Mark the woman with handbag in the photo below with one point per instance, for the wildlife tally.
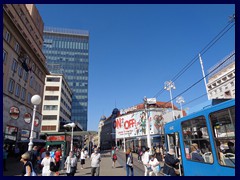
(71, 164)
(170, 164)
(129, 162)
(27, 165)
(46, 165)
(155, 167)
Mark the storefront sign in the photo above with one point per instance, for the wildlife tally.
(56, 138)
(25, 133)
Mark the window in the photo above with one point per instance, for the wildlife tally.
(18, 90)
(48, 128)
(4, 55)
(196, 140)
(23, 94)
(52, 88)
(223, 128)
(50, 117)
(53, 79)
(11, 85)
(25, 76)
(29, 98)
(16, 47)
(50, 107)
(8, 37)
(31, 81)
(14, 65)
(52, 98)
(20, 71)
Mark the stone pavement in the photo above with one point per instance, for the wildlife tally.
(105, 167)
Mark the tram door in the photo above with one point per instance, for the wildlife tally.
(173, 143)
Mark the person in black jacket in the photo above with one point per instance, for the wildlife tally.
(195, 153)
(170, 163)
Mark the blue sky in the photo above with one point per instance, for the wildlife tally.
(135, 48)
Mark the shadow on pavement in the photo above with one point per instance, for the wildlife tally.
(119, 167)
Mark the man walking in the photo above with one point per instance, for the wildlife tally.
(95, 162)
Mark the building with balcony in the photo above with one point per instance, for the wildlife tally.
(221, 80)
(24, 70)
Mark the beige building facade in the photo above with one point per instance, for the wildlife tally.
(24, 70)
(57, 104)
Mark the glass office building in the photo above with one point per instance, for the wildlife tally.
(67, 53)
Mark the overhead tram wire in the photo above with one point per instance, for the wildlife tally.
(203, 51)
(201, 79)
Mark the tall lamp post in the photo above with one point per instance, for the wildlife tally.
(72, 125)
(168, 85)
(35, 100)
(180, 100)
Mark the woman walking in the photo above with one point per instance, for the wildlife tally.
(129, 162)
(114, 157)
(27, 165)
(82, 158)
(46, 165)
(71, 164)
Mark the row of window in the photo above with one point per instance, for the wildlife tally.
(66, 45)
(196, 136)
(17, 50)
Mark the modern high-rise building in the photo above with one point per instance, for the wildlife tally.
(67, 53)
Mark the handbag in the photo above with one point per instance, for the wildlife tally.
(73, 170)
(129, 162)
(53, 167)
(157, 169)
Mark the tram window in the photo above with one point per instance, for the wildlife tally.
(196, 140)
(223, 126)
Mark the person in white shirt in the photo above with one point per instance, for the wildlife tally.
(82, 158)
(95, 162)
(46, 165)
(71, 164)
(145, 160)
(155, 167)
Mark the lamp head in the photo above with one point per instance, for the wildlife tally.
(36, 100)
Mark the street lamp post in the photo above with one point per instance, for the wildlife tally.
(168, 85)
(35, 100)
(180, 100)
(124, 139)
(148, 125)
(72, 125)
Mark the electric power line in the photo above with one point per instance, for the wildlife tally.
(203, 51)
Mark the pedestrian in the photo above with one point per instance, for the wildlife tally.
(145, 160)
(95, 162)
(17, 152)
(28, 169)
(71, 164)
(58, 155)
(34, 158)
(82, 158)
(5, 155)
(158, 154)
(155, 166)
(129, 162)
(114, 157)
(171, 164)
(46, 165)
(139, 152)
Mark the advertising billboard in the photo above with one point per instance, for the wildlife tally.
(134, 124)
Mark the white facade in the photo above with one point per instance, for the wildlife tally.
(56, 103)
(221, 83)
